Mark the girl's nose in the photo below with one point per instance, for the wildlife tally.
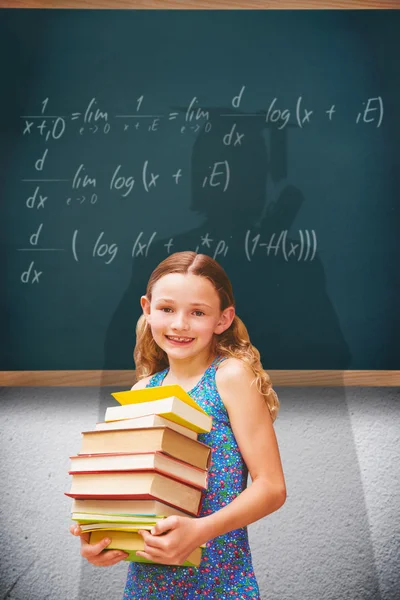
(180, 323)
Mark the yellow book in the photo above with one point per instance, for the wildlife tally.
(156, 393)
(115, 527)
(131, 542)
(87, 518)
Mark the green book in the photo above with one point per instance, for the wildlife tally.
(132, 542)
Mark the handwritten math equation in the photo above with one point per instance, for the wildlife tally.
(83, 185)
(95, 119)
(102, 248)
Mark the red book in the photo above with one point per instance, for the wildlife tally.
(136, 485)
(144, 461)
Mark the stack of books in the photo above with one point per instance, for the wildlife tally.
(142, 464)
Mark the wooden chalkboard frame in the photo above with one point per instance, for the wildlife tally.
(126, 378)
(204, 4)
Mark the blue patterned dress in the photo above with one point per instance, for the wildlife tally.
(226, 570)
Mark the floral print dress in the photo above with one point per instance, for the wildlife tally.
(226, 570)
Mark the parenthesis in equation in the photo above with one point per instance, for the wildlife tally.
(301, 245)
(74, 252)
(284, 244)
(246, 245)
(308, 245)
(227, 175)
(381, 113)
(315, 243)
(136, 243)
(144, 175)
(298, 104)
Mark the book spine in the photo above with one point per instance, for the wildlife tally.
(201, 504)
(191, 484)
(78, 496)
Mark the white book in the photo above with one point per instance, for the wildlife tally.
(147, 421)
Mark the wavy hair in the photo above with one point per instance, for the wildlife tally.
(235, 341)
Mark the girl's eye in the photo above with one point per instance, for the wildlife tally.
(167, 309)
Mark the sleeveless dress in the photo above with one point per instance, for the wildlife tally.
(226, 570)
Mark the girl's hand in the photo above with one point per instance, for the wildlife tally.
(96, 553)
(182, 537)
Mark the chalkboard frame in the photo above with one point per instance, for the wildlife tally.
(126, 377)
(204, 4)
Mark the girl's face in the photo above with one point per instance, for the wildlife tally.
(184, 314)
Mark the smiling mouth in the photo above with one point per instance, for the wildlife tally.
(179, 339)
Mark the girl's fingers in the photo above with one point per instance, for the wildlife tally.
(158, 558)
(75, 529)
(97, 553)
(92, 550)
(150, 552)
(152, 541)
(110, 557)
(85, 537)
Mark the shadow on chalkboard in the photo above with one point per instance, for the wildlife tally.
(284, 304)
(280, 295)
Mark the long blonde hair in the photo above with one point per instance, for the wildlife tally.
(150, 358)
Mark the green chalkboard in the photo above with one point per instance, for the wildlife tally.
(267, 139)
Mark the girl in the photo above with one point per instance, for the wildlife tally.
(189, 335)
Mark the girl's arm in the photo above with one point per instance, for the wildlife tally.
(252, 426)
(254, 432)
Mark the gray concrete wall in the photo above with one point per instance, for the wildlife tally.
(337, 536)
